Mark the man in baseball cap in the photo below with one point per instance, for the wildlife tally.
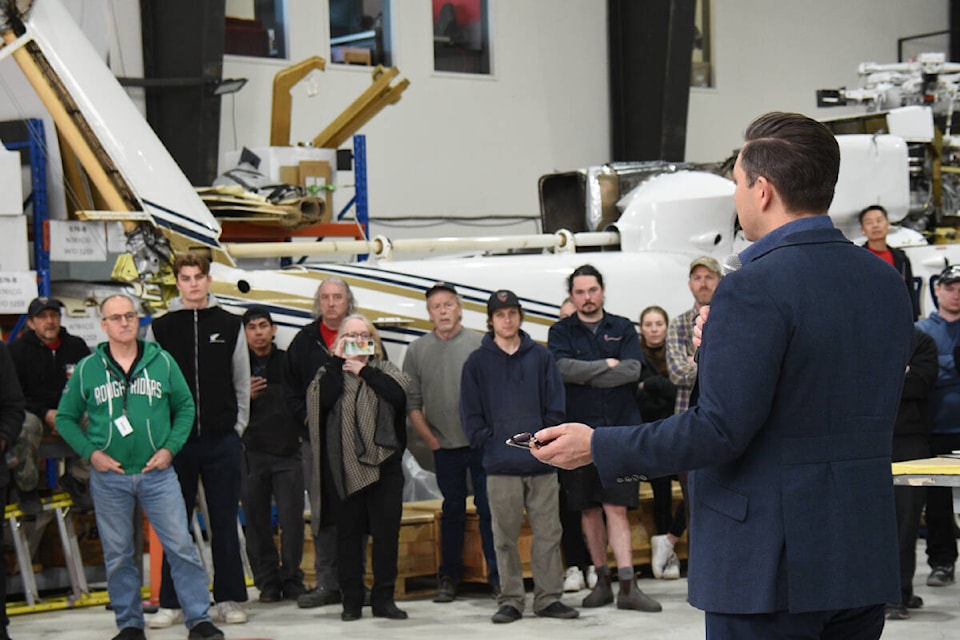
(44, 356)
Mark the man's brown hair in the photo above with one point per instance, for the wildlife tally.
(191, 259)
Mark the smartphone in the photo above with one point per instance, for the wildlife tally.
(523, 441)
(358, 347)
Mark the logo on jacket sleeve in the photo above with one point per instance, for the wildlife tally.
(216, 339)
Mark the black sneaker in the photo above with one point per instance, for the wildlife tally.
(914, 602)
(941, 576)
(318, 598)
(270, 595)
(558, 610)
(505, 614)
(205, 631)
(896, 612)
(130, 633)
(446, 590)
(293, 590)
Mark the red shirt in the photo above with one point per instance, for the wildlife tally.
(886, 254)
(330, 335)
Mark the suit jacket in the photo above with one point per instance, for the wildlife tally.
(800, 375)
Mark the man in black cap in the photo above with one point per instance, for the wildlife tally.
(943, 324)
(433, 363)
(272, 467)
(511, 385)
(44, 356)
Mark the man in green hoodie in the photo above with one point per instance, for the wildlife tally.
(141, 412)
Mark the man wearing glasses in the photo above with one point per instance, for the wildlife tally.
(141, 412)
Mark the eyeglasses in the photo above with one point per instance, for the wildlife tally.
(120, 317)
(358, 336)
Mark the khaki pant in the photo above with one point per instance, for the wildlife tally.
(539, 495)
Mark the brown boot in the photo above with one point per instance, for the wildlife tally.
(601, 594)
(631, 597)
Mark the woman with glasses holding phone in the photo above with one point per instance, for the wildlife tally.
(356, 413)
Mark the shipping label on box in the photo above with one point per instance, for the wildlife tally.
(77, 241)
(17, 289)
(87, 327)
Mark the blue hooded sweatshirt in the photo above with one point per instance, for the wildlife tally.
(504, 394)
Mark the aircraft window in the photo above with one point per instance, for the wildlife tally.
(360, 32)
(256, 28)
(461, 36)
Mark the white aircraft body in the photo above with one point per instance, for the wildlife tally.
(665, 222)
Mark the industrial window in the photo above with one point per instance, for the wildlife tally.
(256, 28)
(360, 32)
(461, 36)
(702, 67)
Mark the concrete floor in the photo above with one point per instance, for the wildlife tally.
(469, 617)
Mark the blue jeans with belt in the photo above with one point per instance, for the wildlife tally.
(452, 466)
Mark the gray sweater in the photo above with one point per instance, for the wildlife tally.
(434, 367)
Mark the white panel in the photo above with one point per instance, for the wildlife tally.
(13, 244)
(11, 195)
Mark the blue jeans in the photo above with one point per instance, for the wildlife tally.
(114, 497)
(452, 466)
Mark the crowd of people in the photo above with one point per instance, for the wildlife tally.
(788, 460)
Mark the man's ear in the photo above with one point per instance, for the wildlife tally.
(765, 193)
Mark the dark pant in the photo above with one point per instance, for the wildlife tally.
(375, 510)
(865, 623)
(909, 504)
(268, 477)
(452, 466)
(215, 459)
(941, 528)
(4, 620)
(572, 544)
(665, 518)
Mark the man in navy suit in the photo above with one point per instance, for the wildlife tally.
(793, 530)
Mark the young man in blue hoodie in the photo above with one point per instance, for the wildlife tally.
(511, 385)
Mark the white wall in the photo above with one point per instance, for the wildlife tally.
(773, 56)
(454, 144)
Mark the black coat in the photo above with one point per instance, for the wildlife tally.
(913, 417)
(272, 429)
(11, 409)
(43, 372)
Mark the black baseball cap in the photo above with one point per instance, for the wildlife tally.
(441, 286)
(500, 299)
(949, 275)
(41, 304)
(255, 313)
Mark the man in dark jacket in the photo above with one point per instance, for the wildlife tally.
(210, 346)
(511, 385)
(308, 351)
(11, 421)
(792, 513)
(875, 226)
(599, 358)
(44, 356)
(911, 441)
(273, 468)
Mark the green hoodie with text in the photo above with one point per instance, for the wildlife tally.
(155, 399)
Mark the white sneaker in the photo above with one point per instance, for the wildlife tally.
(591, 577)
(573, 580)
(164, 618)
(229, 612)
(660, 551)
(672, 570)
